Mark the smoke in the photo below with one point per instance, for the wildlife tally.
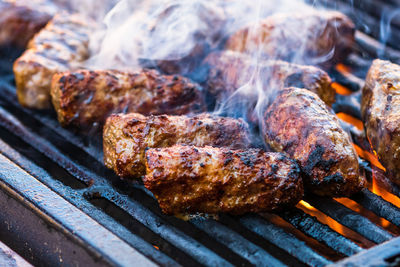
(176, 35)
(173, 29)
(385, 28)
(156, 30)
(95, 9)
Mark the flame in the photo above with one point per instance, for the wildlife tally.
(343, 230)
(378, 190)
(343, 68)
(307, 208)
(350, 119)
(359, 209)
(372, 158)
(156, 247)
(340, 89)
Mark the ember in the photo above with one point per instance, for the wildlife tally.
(254, 113)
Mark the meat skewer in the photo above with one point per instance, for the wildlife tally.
(189, 179)
(127, 136)
(300, 125)
(381, 115)
(60, 46)
(229, 70)
(86, 98)
(309, 37)
(19, 21)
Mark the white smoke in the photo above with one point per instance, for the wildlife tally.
(386, 28)
(172, 29)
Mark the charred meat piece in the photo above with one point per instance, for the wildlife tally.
(229, 70)
(19, 21)
(300, 125)
(381, 114)
(86, 98)
(309, 37)
(60, 46)
(126, 137)
(189, 179)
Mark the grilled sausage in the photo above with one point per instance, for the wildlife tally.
(307, 37)
(189, 179)
(300, 125)
(60, 46)
(126, 137)
(229, 70)
(19, 21)
(381, 115)
(85, 98)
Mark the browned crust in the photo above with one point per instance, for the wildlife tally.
(311, 34)
(60, 46)
(229, 70)
(300, 125)
(127, 136)
(188, 179)
(381, 114)
(19, 22)
(86, 98)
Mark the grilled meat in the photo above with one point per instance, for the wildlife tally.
(126, 137)
(306, 37)
(381, 114)
(189, 179)
(229, 70)
(19, 21)
(60, 46)
(86, 98)
(300, 125)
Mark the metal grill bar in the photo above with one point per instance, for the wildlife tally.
(237, 243)
(367, 23)
(386, 254)
(69, 217)
(312, 227)
(84, 182)
(159, 226)
(371, 46)
(9, 258)
(379, 206)
(80, 171)
(83, 174)
(13, 119)
(375, 8)
(350, 219)
(284, 240)
(76, 198)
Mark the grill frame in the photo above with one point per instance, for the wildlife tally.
(66, 168)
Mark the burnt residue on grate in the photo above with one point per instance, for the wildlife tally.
(71, 166)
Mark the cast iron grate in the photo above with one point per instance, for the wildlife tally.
(52, 179)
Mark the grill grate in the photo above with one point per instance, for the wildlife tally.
(52, 179)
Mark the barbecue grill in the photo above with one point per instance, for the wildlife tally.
(61, 206)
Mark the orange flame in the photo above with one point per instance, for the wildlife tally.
(340, 89)
(307, 208)
(350, 119)
(343, 68)
(359, 209)
(375, 188)
(378, 190)
(373, 159)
